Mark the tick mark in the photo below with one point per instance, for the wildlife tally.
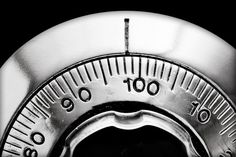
(38, 98)
(20, 131)
(117, 66)
(53, 90)
(218, 107)
(132, 65)
(182, 82)
(212, 103)
(162, 70)
(206, 97)
(59, 85)
(94, 70)
(169, 74)
(196, 86)
(232, 133)
(176, 76)
(126, 20)
(140, 67)
(86, 69)
(20, 140)
(14, 153)
(124, 61)
(39, 110)
(109, 66)
(223, 131)
(73, 78)
(234, 141)
(48, 95)
(228, 118)
(155, 68)
(71, 90)
(32, 112)
(27, 118)
(190, 82)
(80, 75)
(202, 91)
(147, 70)
(23, 124)
(15, 145)
(103, 74)
(223, 112)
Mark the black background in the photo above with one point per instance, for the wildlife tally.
(21, 22)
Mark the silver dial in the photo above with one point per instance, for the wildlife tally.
(177, 94)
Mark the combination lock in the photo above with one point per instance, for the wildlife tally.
(120, 84)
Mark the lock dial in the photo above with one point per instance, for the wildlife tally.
(126, 89)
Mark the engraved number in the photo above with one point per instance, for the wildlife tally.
(37, 138)
(28, 152)
(203, 114)
(84, 94)
(153, 87)
(227, 153)
(139, 85)
(67, 104)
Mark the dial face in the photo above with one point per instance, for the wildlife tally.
(123, 77)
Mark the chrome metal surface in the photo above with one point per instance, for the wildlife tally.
(67, 71)
(127, 121)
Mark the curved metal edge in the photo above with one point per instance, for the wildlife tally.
(103, 33)
(129, 121)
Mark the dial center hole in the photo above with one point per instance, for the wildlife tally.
(142, 142)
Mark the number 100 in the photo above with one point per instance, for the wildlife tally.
(139, 85)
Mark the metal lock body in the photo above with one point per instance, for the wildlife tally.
(123, 70)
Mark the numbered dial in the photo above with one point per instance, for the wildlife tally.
(182, 92)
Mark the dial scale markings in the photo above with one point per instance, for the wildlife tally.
(170, 76)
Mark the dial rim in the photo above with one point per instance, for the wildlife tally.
(137, 56)
(60, 41)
